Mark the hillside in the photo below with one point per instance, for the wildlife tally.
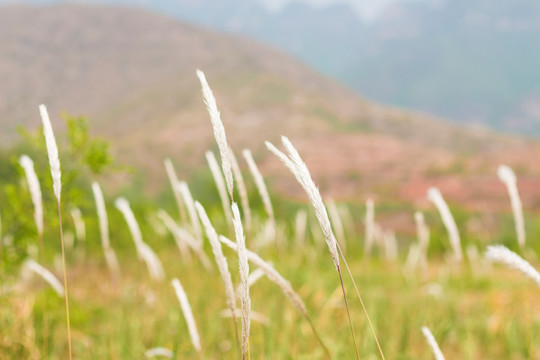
(471, 61)
(133, 74)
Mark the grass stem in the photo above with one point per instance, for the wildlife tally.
(361, 302)
(65, 278)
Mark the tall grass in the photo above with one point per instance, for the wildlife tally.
(433, 343)
(219, 132)
(188, 315)
(435, 196)
(262, 189)
(110, 255)
(245, 300)
(221, 262)
(509, 258)
(45, 275)
(242, 190)
(173, 180)
(369, 223)
(296, 165)
(35, 193)
(218, 178)
(144, 251)
(507, 176)
(54, 162)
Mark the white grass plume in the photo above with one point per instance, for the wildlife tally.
(218, 178)
(112, 262)
(56, 174)
(188, 200)
(259, 183)
(80, 227)
(413, 257)
(348, 221)
(102, 215)
(35, 191)
(188, 314)
(159, 351)
(299, 169)
(503, 255)
(52, 150)
(221, 260)
(245, 300)
(155, 268)
(435, 196)
(422, 231)
(110, 255)
(219, 131)
(173, 228)
(123, 206)
(266, 235)
(173, 179)
(183, 237)
(390, 245)
(300, 225)
(45, 275)
(369, 237)
(242, 190)
(507, 176)
(337, 224)
(433, 343)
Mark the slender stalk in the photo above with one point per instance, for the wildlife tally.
(317, 336)
(299, 169)
(245, 300)
(44, 302)
(56, 174)
(348, 312)
(65, 277)
(361, 302)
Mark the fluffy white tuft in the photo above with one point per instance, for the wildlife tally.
(35, 191)
(503, 255)
(52, 150)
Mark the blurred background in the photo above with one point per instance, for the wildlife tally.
(383, 99)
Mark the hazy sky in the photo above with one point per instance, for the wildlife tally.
(368, 10)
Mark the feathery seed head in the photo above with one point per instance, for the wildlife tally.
(503, 255)
(188, 314)
(506, 174)
(219, 131)
(52, 151)
(35, 191)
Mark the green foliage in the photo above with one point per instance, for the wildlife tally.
(93, 153)
(82, 158)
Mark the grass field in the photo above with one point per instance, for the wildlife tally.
(475, 309)
(490, 315)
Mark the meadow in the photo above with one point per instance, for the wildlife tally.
(122, 304)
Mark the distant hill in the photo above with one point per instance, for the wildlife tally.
(472, 61)
(133, 74)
